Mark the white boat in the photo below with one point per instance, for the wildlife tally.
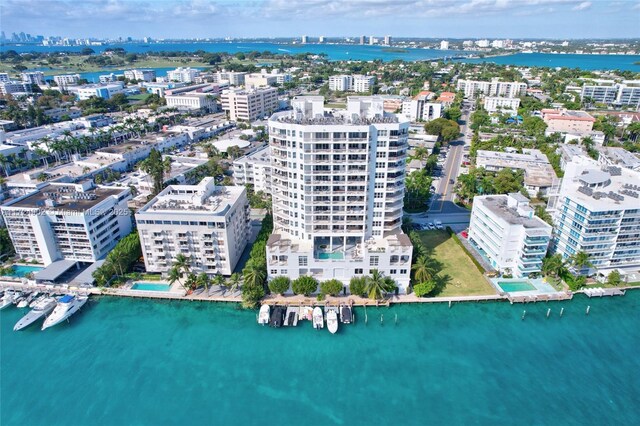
(263, 316)
(41, 309)
(7, 299)
(23, 303)
(37, 300)
(67, 306)
(318, 318)
(332, 321)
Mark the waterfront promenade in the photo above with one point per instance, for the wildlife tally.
(300, 300)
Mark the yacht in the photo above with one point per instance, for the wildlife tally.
(263, 316)
(37, 300)
(67, 306)
(41, 309)
(332, 321)
(7, 299)
(318, 318)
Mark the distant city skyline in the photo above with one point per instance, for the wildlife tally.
(550, 19)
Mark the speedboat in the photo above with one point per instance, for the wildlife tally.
(7, 299)
(23, 303)
(332, 321)
(41, 309)
(67, 305)
(263, 316)
(318, 318)
(346, 314)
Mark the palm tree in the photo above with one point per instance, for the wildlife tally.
(4, 162)
(254, 275)
(175, 275)
(553, 265)
(234, 282)
(580, 260)
(377, 285)
(191, 281)
(182, 263)
(219, 280)
(203, 281)
(422, 270)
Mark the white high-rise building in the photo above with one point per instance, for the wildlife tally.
(338, 188)
(362, 38)
(352, 83)
(66, 80)
(597, 210)
(140, 75)
(35, 77)
(207, 223)
(304, 39)
(419, 108)
(183, 75)
(68, 221)
(321, 39)
(505, 230)
(505, 105)
(387, 40)
(444, 45)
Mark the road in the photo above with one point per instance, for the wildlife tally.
(442, 206)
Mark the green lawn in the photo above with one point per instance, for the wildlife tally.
(458, 275)
(140, 97)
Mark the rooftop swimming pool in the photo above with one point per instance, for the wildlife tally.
(515, 286)
(150, 286)
(22, 270)
(326, 256)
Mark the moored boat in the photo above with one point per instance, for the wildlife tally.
(263, 316)
(41, 309)
(277, 317)
(346, 314)
(332, 321)
(7, 299)
(318, 318)
(67, 306)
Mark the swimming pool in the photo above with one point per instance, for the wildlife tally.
(325, 256)
(514, 286)
(150, 286)
(23, 270)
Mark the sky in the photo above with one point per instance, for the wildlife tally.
(565, 19)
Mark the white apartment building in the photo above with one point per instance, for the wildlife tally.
(419, 108)
(193, 101)
(597, 210)
(612, 93)
(352, 83)
(504, 229)
(183, 75)
(495, 87)
(231, 77)
(538, 172)
(338, 185)
(498, 103)
(68, 221)
(66, 80)
(249, 105)
(254, 169)
(444, 45)
(616, 156)
(140, 75)
(105, 91)
(34, 77)
(15, 87)
(107, 78)
(207, 223)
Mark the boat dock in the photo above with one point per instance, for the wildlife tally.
(599, 292)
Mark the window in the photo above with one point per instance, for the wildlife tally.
(374, 260)
(393, 271)
(403, 271)
(303, 261)
(358, 271)
(274, 272)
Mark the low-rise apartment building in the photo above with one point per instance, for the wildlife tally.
(193, 101)
(266, 79)
(67, 221)
(504, 229)
(500, 104)
(609, 92)
(66, 79)
(105, 91)
(33, 77)
(254, 169)
(206, 223)
(495, 87)
(352, 83)
(420, 108)
(140, 75)
(183, 75)
(567, 121)
(249, 104)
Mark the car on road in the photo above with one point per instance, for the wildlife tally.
(451, 181)
(464, 234)
(431, 225)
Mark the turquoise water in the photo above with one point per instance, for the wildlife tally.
(369, 53)
(512, 286)
(150, 286)
(22, 270)
(123, 361)
(325, 256)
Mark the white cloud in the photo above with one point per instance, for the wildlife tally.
(582, 6)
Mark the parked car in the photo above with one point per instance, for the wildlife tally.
(431, 225)
(451, 181)
(464, 234)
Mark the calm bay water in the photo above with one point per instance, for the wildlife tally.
(366, 53)
(123, 361)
